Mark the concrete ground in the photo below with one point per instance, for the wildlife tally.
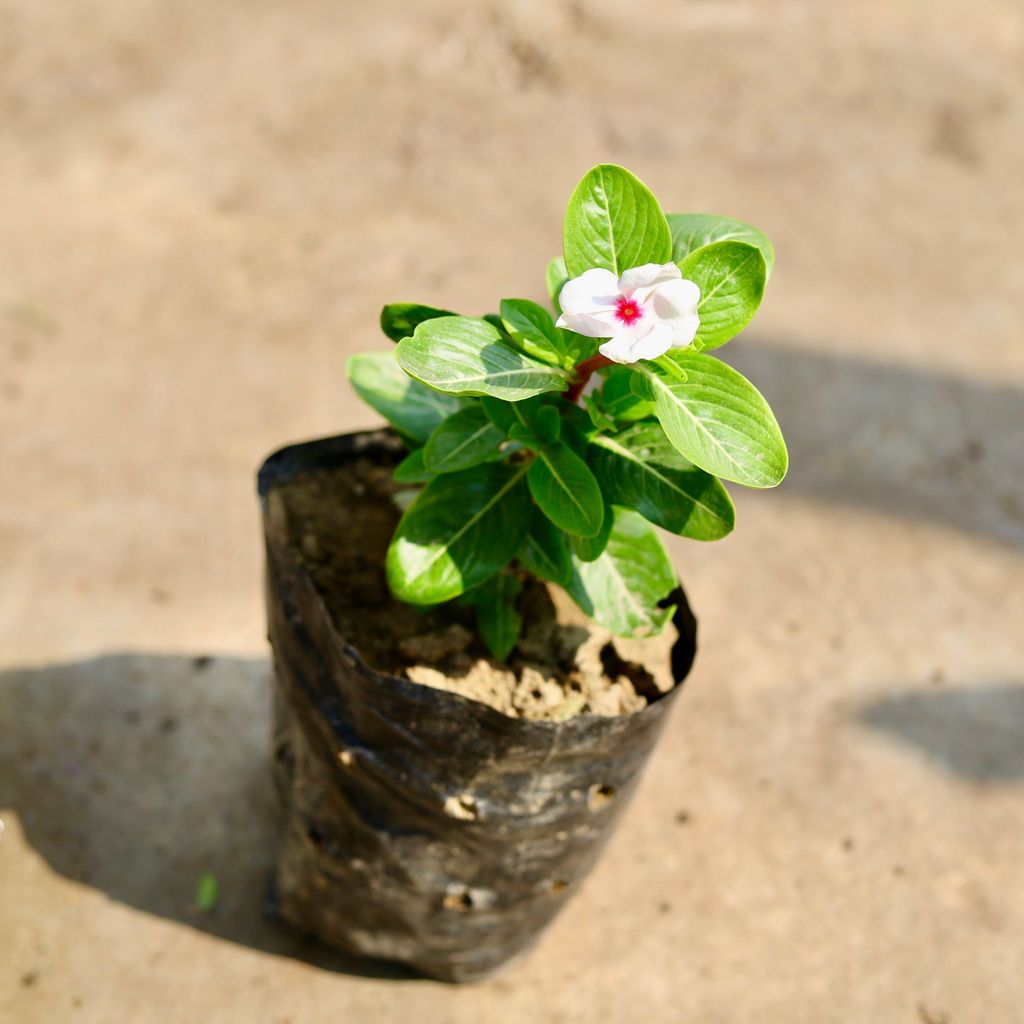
(203, 206)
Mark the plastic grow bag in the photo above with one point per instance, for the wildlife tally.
(421, 826)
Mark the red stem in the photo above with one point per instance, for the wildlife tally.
(584, 372)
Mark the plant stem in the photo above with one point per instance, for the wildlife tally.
(584, 372)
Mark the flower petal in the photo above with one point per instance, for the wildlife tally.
(646, 275)
(592, 290)
(602, 323)
(675, 304)
(641, 282)
(630, 344)
(656, 342)
(684, 329)
(676, 298)
(618, 349)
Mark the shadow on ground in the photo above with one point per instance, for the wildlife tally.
(902, 441)
(975, 734)
(134, 774)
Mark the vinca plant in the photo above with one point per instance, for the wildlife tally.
(555, 442)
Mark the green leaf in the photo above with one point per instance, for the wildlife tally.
(465, 439)
(640, 469)
(497, 621)
(613, 221)
(556, 278)
(717, 419)
(467, 356)
(399, 319)
(404, 498)
(575, 433)
(566, 491)
(618, 399)
(501, 414)
(601, 421)
(413, 409)
(524, 436)
(577, 425)
(411, 469)
(462, 528)
(207, 892)
(578, 347)
(586, 549)
(690, 231)
(731, 278)
(547, 424)
(526, 422)
(621, 590)
(642, 387)
(544, 552)
(532, 328)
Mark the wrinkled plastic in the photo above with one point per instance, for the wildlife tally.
(421, 826)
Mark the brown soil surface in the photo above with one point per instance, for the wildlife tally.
(339, 525)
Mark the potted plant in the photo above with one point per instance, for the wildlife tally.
(453, 742)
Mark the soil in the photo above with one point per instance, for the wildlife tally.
(339, 525)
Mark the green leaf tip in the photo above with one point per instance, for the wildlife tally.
(468, 356)
(613, 222)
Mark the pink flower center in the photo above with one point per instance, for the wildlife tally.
(628, 311)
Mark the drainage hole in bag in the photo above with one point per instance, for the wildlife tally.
(461, 806)
(458, 897)
(599, 795)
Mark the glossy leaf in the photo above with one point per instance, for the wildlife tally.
(618, 399)
(639, 468)
(465, 439)
(524, 436)
(414, 409)
(533, 329)
(621, 589)
(501, 414)
(613, 221)
(690, 231)
(399, 319)
(556, 277)
(547, 424)
(411, 469)
(600, 419)
(731, 277)
(586, 549)
(462, 528)
(574, 434)
(566, 490)
(404, 498)
(497, 620)
(525, 421)
(717, 419)
(545, 552)
(574, 419)
(578, 347)
(467, 356)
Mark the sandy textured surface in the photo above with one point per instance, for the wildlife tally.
(203, 205)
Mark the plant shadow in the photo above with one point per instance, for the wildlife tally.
(135, 774)
(919, 444)
(973, 733)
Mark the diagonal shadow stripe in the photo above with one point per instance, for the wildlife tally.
(136, 773)
(975, 733)
(906, 442)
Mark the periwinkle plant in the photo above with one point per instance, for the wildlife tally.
(519, 477)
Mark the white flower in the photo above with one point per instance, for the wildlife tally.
(644, 313)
